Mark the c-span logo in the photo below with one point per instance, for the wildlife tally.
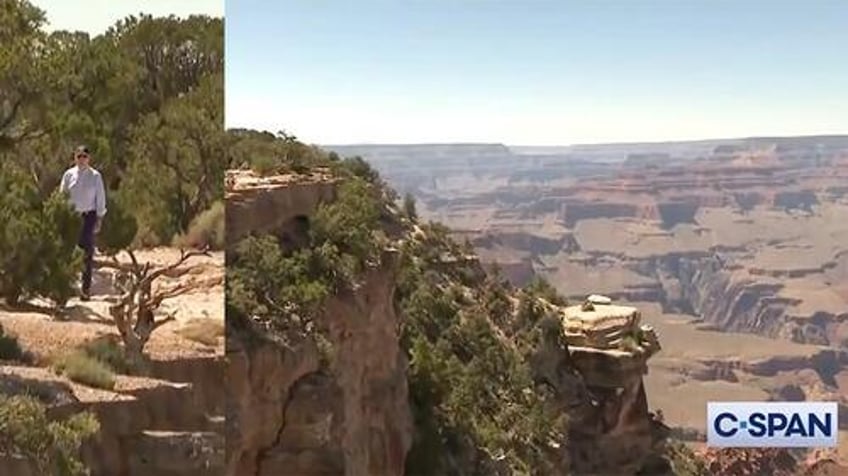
(772, 424)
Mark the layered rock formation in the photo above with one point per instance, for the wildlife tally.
(609, 348)
(749, 235)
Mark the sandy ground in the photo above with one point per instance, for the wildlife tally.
(47, 335)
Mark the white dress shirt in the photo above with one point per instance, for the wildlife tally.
(85, 186)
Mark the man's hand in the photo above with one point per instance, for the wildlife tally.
(97, 224)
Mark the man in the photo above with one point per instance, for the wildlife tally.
(84, 184)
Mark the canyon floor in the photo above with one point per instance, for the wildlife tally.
(164, 421)
(698, 365)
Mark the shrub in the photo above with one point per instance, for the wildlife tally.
(109, 351)
(207, 229)
(119, 229)
(38, 241)
(684, 461)
(82, 368)
(539, 286)
(472, 394)
(349, 222)
(60, 228)
(265, 165)
(262, 281)
(358, 167)
(26, 431)
(10, 349)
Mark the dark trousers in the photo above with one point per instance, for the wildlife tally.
(86, 242)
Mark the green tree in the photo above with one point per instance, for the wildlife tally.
(349, 223)
(119, 229)
(64, 88)
(20, 77)
(178, 161)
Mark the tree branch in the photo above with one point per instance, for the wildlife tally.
(162, 322)
(13, 113)
(170, 269)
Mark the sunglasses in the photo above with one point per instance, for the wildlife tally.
(82, 156)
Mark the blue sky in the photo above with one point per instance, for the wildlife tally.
(96, 16)
(536, 72)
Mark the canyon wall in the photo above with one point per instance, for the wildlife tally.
(748, 235)
(739, 248)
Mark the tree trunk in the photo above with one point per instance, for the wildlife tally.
(134, 347)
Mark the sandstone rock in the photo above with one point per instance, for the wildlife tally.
(274, 205)
(260, 378)
(615, 433)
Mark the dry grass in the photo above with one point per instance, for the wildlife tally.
(205, 331)
(207, 229)
(109, 350)
(81, 368)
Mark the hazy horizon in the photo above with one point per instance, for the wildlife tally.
(537, 73)
(622, 143)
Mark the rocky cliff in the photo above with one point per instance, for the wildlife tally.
(277, 204)
(330, 402)
(616, 434)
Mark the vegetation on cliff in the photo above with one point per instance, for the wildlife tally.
(469, 337)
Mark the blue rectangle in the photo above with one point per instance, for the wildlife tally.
(772, 424)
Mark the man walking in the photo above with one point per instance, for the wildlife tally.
(84, 184)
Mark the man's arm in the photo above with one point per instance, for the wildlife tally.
(63, 185)
(100, 199)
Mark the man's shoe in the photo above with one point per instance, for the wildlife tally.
(84, 296)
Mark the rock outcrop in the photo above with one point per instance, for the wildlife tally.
(279, 204)
(614, 433)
